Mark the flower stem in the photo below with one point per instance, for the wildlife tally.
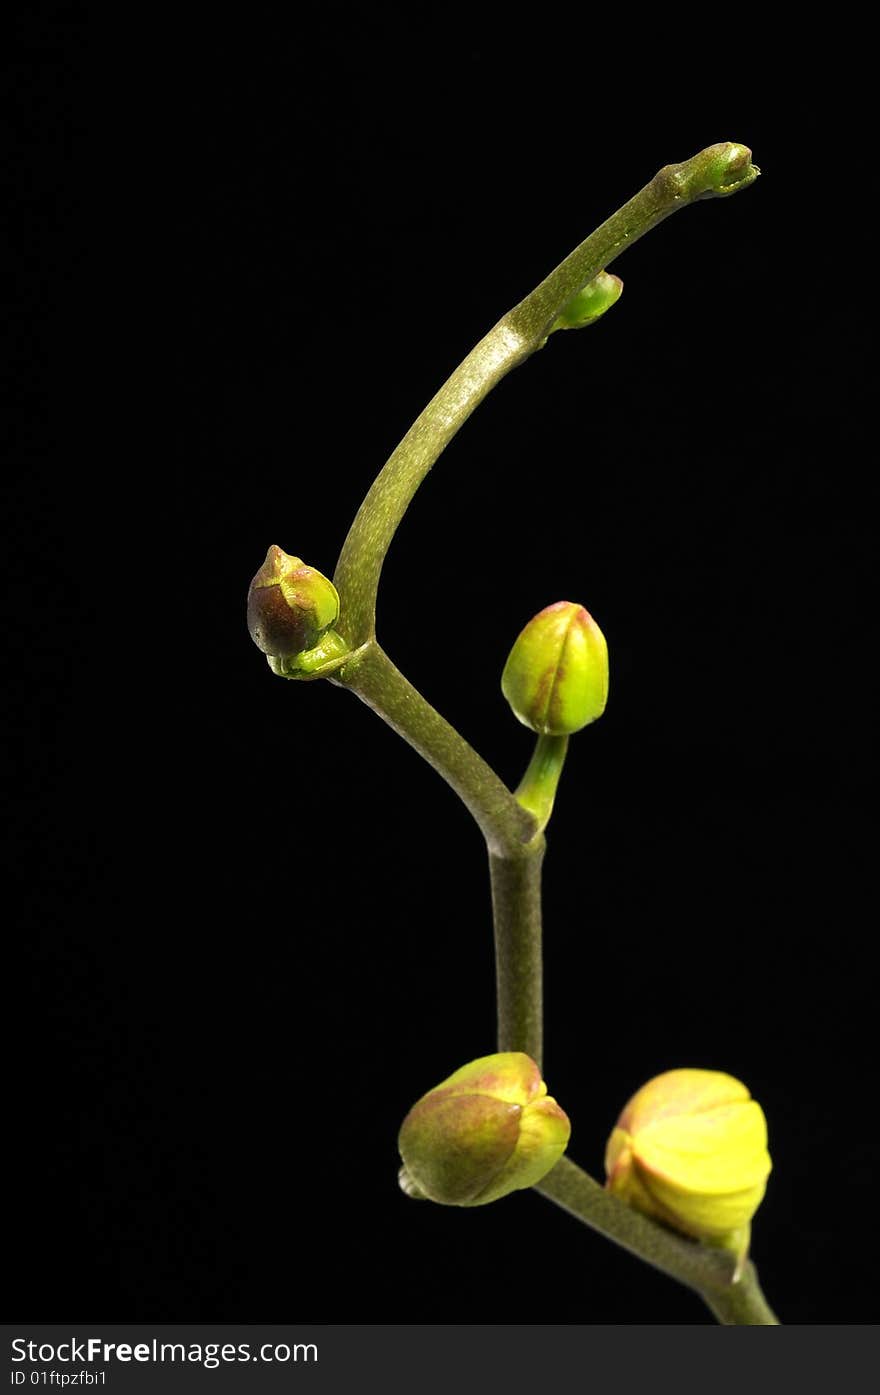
(719, 169)
(516, 853)
(516, 845)
(741, 1304)
(516, 907)
(506, 826)
(512, 825)
(709, 1271)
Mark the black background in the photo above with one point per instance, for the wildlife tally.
(253, 926)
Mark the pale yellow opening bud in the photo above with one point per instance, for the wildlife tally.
(690, 1149)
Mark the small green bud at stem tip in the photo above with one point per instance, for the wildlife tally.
(717, 171)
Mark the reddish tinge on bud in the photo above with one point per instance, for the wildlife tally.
(290, 606)
(556, 676)
(489, 1129)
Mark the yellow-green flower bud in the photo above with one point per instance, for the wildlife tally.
(290, 606)
(556, 676)
(490, 1129)
(690, 1149)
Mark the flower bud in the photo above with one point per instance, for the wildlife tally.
(290, 606)
(556, 676)
(590, 303)
(490, 1129)
(690, 1149)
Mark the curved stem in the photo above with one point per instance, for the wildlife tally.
(709, 1271)
(719, 169)
(360, 563)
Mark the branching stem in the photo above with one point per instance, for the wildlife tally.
(709, 1271)
(513, 825)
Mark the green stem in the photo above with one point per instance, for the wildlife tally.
(516, 855)
(506, 826)
(516, 906)
(720, 169)
(709, 1271)
(741, 1304)
(516, 846)
(537, 788)
(512, 831)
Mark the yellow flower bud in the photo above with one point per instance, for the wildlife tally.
(690, 1149)
(556, 676)
(490, 1129)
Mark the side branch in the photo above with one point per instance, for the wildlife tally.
(709, 1271)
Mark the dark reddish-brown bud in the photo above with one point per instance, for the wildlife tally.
(290, 606)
